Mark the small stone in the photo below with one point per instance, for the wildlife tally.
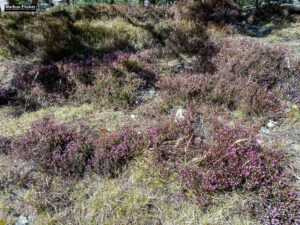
(265, 130)
(288, 64)
(152, 91)
(22, 221)
(132, 116)
(271, 124)
(179, 115)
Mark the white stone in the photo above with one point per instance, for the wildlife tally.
(288, 64)
(179, 115)
(22, 221)
(265, 130)
(132, 116)
(271, 124)
(152, 91)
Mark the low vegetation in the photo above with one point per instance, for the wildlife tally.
(89, 129)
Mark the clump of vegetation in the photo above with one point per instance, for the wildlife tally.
(41, 86)
(246, 78)
(117, 79)
(221, 91)
(231, 161)
(114, 151)
(54, 149)
(261, 63)
(71, 152)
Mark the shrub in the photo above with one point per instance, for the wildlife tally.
(263, 64)
(183, 35)
(54, 149)
(233, 160)
(116, 150)
(282, 209)
(205, 53)
(42, 86)
(118, 81)
(13, 36)
(71, 151)
(238, 75)
(242, 3)
(222, 90)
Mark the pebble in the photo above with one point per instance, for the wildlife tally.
(22, 221)
(271, 124)
(179, 115)
(265, 130)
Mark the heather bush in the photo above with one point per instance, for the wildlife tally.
(221, 90)
(13, 37)
(54, 149)
(232, 161)
(238, 74)
(16, 42)
(205, 53)
(263, 64)
(183, 35)
(39, 86)
(282, 209)
(115, 150)
(117, 34)
(118, 81)
(72, 151)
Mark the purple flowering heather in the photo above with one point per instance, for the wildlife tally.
(54, 148)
